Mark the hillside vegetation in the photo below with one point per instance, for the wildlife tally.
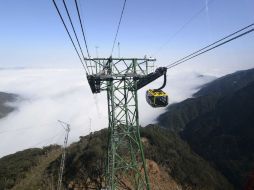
(15, 167)
(171, 164)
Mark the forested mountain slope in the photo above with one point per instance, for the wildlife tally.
(171, 165)
(225, 135)
(218, 123)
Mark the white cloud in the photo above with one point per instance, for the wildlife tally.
(49, 95)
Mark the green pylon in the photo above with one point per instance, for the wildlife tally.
(126, 165)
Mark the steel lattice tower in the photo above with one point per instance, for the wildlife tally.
(126, 166)
(66, 127)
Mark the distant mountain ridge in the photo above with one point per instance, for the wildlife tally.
(179, 114)
(5, 98)
(218, 123)
(227, 84)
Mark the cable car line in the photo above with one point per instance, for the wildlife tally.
(82, 28)
(158, 98)
(211, 46)
(119, 23)
(74, 31)
(69, 35)
(119, 82)
(83, 33)
(214, 43)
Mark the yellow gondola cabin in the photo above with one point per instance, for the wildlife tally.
(156, 98)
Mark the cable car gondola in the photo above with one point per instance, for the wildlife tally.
(157, 97)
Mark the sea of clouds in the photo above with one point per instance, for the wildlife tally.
(48, 95)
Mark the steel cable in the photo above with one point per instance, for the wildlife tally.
(118, 27)
(211, 46)
(69, 35)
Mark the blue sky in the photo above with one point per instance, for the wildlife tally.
(32, 35)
